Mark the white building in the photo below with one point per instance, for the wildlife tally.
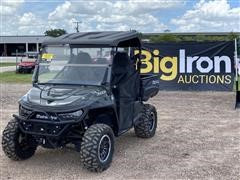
(10, 45)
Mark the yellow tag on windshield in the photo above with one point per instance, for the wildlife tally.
(47, 56)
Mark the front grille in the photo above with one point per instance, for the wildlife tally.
(43, 116)
(28, 114)
(41, 128)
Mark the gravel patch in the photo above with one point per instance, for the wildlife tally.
(198, 137)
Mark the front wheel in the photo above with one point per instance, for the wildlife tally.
(19, 71)
(16, 145)
(147, 124)
(97, 147)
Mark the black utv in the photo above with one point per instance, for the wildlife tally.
(87, 90)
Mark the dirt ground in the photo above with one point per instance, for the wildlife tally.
(198, 137)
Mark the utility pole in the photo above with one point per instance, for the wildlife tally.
(77, 23)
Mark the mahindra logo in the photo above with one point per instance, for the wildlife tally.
(43, 116)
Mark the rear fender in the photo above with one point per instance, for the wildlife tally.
(149, 86)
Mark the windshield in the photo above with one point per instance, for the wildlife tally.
(67, 65)
(28, 57)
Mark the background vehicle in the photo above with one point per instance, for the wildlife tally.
(27, 63)
(77, 99)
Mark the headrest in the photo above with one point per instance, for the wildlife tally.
(121, 59)
(84, 58)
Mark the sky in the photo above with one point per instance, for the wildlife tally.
(34, 17)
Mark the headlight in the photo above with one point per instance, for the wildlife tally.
(24, 112)
(70, 116)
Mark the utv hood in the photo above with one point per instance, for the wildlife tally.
(63, 97)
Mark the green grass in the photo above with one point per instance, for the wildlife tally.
(4, 64)
(12, 77)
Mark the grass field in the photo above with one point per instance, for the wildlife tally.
(3, 64)
(12, 77)
(238, 84)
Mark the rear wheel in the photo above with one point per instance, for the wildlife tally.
(147, 124)
(97, 147)
(15, 144)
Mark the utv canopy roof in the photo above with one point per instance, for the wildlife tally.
(106, 38)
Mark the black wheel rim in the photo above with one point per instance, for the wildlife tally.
(152, 121)
(104, 148)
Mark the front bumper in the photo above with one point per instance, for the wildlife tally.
(25, 68)
(45, 128)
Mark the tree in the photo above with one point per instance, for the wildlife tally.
(164, 38)
(232, 36)
(171, 37)
(55, 32)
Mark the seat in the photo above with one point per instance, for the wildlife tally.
(84, 58)
(120, 67)
(76, 72)
(81, 58)
(101, 61)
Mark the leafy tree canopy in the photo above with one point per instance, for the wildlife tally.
(55, 32)
(167, 37)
